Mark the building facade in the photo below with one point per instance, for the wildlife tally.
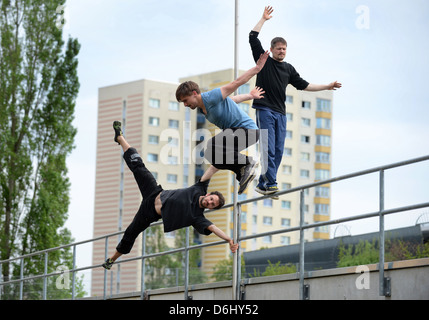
(170, 138)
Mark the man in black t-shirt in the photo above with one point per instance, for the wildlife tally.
(178, 208)
(271, 111)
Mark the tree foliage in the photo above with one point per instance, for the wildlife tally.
(39, 86)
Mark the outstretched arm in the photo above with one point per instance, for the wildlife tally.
(245, 77)
(223, 236)
(209, 173)
(265, 17)
(256, 93)
(319, 87)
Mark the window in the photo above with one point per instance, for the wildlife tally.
(305, 173)
(289, 116)
(289, 99)
(289, 134)
(305, 139)
(305, 122)
(287, 169)
(323, 157)
(323, 105)
(322, 209)
(268, 221)
(268, 202)
(174, 142)
(173, 124)
(172, 160)
(243, 89)
(285, 222)
(322, 140)
(152, 157)
(322, 192)
(305, 156)
(323, 123)
(155, 174)
(306, 105)
(287, 152)
(284, 240)
(171, 178)
(173, 106)
(286, 186)
(322, 174)
(154, 121)
(267, 239)
(154, 103)
(153, 139)
(286, 204)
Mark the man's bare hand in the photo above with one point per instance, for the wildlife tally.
(257, 93)
(267, 13)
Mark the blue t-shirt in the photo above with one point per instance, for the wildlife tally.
(225, 113)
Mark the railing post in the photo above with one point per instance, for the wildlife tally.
(236, 268)
(301, 247)
(187, 265)
(45, 279)
(106, 245)
(74, 274)
(143, 268)
(383, 290)
(21, 283)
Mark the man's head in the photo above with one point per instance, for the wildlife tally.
(278, 48)
(187, 93)
(212, 200)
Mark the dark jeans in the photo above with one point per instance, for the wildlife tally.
(149, 189)
(223, 150)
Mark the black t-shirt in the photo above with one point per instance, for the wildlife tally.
(274, 78)
(180, 208)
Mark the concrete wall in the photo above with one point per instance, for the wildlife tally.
(409, 280)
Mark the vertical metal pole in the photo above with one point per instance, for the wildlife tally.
(187, 264)
(106, 243)
(143, 268)
(74, 274)
(21, 283)
(45, 278)
(301, 246)
(381, 236)
(235, 198)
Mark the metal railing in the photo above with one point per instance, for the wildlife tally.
(236, 274)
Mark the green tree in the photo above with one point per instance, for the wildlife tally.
(39, 86)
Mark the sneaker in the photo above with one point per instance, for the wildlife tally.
(267, 191)
(108, 264)
(118, 130)
(248, 173)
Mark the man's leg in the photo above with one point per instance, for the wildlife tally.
(144, 178)
(266, 123)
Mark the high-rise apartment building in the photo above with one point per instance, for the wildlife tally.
(166, 133)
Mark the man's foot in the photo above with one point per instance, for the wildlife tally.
(267, 191)
(108, 264)
(118, 130)
(248, 173)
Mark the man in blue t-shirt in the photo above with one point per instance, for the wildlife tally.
(239, 130)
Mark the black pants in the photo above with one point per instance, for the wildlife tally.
(149, 190)
(223, 150)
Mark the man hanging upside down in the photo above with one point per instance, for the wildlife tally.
(178, 208)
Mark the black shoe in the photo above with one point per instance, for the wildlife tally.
(247, 175)
(267, 191)
(108, 264)
(118, 130)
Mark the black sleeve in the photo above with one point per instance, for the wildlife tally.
(296, 80)
(201, 224)
(255, 45)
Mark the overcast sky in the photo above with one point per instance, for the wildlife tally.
(377, 49)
